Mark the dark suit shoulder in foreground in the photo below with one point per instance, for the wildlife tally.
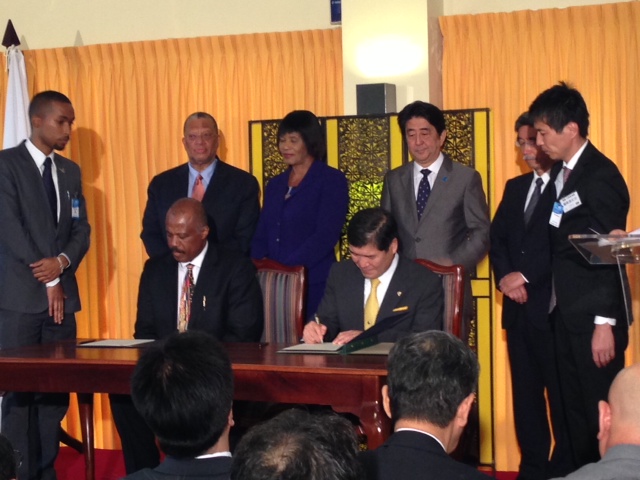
(216, 468)
(409, 455)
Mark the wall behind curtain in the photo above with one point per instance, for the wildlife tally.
(502, 61)
(131, 100)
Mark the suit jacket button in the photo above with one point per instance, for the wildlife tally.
(418, 239)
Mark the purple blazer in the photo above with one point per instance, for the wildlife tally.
(304, 229)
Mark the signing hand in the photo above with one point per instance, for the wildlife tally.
(56, 298)
(314, 332)
(603, 345)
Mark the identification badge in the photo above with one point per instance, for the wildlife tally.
(556, 215)
(571, 201)
(75, 208)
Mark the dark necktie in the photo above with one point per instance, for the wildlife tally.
(424, 190)
(50, 189)
(566, 171)
(533, 201)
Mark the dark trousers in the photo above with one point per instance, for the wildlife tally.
(31, 421)
(583, 384)
(534, 371)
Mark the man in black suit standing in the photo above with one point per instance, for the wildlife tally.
(521, 260)
(183, 388)
(198, 286)
(44, 235)
(589, 319)
(411, 295)
(229, 195)
(431, 384)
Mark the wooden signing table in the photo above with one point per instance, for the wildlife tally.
(349, 383)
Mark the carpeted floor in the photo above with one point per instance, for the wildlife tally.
(110, 466)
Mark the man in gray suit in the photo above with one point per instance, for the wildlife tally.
(619, 435)
(398, 291)
(439, 204)
(44, 236)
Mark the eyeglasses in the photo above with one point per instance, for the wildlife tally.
(525, 143)
(205, 137)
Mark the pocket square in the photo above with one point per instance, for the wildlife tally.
(400, 309)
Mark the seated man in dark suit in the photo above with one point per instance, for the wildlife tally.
(183, 388)
(198, 286)
(431, 383)
(376, 272)
(297, 445)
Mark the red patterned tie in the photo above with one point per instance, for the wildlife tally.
(184, 312)
(198, 189)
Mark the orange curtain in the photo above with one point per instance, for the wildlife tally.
(131, 100)
(502, 61)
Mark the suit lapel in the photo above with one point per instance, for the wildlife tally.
(395, 293)
(64, 195)
(34, 179)
(440, 187)
(199, 300)
(408, 193)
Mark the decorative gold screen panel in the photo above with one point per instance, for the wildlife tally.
(364, 148)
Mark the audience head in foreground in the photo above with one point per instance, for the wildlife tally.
(183, 388)
(431, 383)
(297, 445)
(619, 435)
(8, 465)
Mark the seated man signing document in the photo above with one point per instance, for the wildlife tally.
(376, 285)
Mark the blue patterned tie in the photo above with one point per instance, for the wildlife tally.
(424, 189)
(50, 189)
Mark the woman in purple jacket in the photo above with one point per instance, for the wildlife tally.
(304, 207)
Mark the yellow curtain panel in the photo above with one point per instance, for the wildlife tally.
(131, 100)
(502, 61)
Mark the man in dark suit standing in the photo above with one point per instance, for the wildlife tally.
(44, 236)
(521, 260)
(431, 384)
(439, 204)
(183, 388)
(590, 321)
(229, 195)
(411, 295)
(197, 286)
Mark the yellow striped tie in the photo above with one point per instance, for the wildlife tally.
(371, 307)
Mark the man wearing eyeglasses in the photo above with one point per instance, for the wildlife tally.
(229, 195)
(521, 259)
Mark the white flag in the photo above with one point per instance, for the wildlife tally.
(16, 114)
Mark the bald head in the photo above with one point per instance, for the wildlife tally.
(620, 416)
(624, 397)
(187, 229)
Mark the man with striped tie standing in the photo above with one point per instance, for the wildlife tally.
(521, 259)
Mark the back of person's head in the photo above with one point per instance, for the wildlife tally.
(183, 388)
(429, 112)
(620, 416)
(297, 445)
(372, 226)
(560, 105)
(41, 102)
(8, 465)
(429, 375)
(308, 126)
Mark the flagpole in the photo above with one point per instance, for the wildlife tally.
(16, 115)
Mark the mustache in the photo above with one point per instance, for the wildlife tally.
(176, 250)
